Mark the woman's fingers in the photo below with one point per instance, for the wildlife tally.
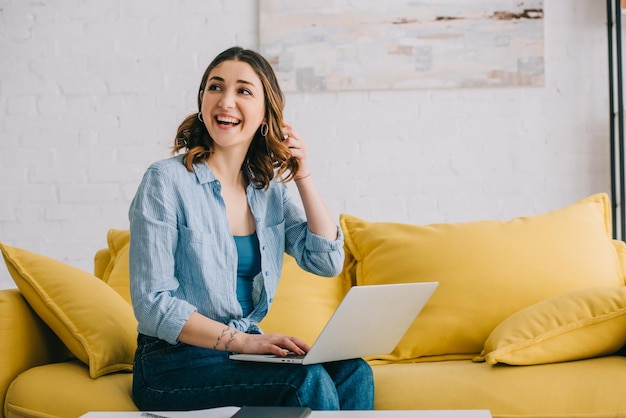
(276, 344)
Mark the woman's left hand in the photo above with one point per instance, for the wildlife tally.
(297, 146)
(319, 219)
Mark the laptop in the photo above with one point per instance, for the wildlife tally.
(370, 320)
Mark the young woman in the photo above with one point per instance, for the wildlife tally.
(209, 227)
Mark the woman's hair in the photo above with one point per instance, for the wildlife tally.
(267, 156)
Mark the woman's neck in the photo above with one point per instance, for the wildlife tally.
(227, 169)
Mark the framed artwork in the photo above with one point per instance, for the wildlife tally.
(332, 45)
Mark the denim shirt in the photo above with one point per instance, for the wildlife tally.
(183, 257)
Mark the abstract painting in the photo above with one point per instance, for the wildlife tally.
(332, 45)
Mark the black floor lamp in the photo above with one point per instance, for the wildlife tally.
(618, 189)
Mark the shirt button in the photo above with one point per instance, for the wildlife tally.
(267, 273)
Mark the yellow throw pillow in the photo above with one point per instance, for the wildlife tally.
(577, 325)
(486, 270)
(116, 274)
(91, 319)
(303, 303)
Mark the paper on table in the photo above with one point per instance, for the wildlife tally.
(225, 412)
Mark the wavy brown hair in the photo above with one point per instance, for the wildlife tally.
(267, 156)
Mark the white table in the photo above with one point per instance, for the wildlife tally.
(227, 412)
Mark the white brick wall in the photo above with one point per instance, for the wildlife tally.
(91, 92)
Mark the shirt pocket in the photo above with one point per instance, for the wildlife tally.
(192, 251)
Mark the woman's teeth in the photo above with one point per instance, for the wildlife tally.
(227, 121)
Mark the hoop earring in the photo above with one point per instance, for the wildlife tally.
(264, 129)
(200, 117)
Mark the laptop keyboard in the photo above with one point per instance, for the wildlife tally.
(294, 355)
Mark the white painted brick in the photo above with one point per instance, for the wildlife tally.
(22, 105)
(110, 66)
(26, 84)
(142, 105)
(18, 156)
(7, 214)
(201, 7)
(16, 31)
(51, 67)
(87, 11)
(14, 12)
(17, 176)
(116, 214)
(79, 84)
(134, 84)
(67, 212)
(30, 213)
(61, 174)
(117, 174)
(88, 193)
(20, 193)
(51, 106)
(63, 33)
(184, 83)
(25, 126)
(148, 9)
(22, 234)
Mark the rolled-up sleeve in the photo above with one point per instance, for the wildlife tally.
(313, 253)
(153, 241)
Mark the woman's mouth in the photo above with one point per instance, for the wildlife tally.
(227, 120)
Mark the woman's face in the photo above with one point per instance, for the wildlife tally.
(233, 104)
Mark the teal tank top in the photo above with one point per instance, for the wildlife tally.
(248, 266)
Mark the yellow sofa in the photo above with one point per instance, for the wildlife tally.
(528, 321)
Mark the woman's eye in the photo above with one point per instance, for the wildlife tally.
(214, 87)
(245, 91)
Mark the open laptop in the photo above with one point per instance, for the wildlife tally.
(370, 320)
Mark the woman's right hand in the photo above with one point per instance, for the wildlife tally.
(277, 344)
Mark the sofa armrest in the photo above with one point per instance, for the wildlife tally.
(101, 261)
(25, 340)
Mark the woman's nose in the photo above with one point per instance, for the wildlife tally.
(227, 100)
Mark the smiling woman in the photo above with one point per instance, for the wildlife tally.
(208, 231)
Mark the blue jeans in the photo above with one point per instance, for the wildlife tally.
(183, 377)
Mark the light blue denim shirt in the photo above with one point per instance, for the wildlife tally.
(183, 257)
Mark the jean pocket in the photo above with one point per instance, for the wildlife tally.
(151, 346)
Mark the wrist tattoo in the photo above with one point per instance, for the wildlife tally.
(224, 331)
(230, 340)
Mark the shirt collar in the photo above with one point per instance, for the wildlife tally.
(203, 173)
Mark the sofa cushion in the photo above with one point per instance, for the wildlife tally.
(487, 270)
(303, 303)
(116, 273)
(66, 390)
(579, 324)
(591, 388)
(91, 319)
(25, 340)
